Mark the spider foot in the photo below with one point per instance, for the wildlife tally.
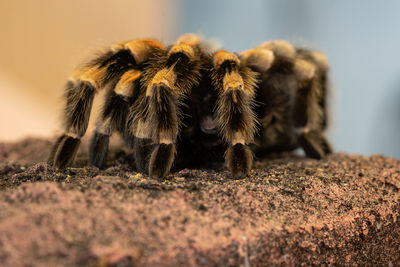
(66, 151)
(54, 149)
(239, 159)
(311, 145)
(142, 148)
(161, 160)
(98, 149)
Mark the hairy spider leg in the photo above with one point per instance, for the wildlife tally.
(234, 111)
(123, 92)
(79, 99)
(303, 78)
(310, 106)
(275, 96)
(80, 90)
(154, 119)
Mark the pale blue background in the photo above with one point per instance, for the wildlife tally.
(360, 38)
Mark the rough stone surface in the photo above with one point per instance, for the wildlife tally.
(289, 211)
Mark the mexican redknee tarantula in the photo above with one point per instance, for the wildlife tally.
(196, 105)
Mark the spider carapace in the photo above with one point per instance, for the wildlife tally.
(189, 104)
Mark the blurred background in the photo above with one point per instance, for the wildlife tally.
(42, 41)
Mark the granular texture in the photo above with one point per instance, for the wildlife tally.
(290, 210)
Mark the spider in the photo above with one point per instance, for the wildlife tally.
(190, 105)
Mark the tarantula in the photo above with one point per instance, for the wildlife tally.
(198, 104)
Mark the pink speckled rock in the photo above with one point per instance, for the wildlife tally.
(289, 211)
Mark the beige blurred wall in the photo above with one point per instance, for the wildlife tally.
(42, 40)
